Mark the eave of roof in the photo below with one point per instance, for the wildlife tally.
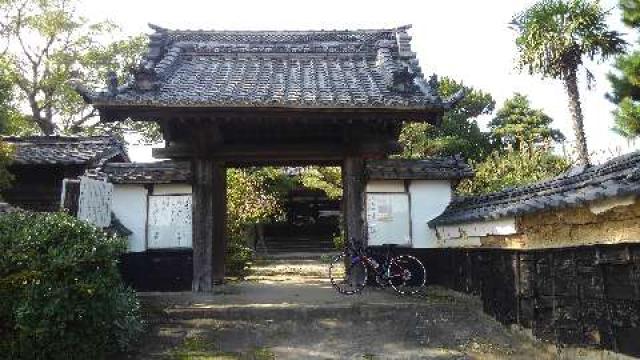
(617, 177)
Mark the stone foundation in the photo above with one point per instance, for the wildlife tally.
(584, 296)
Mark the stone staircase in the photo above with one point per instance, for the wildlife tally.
(284, 244)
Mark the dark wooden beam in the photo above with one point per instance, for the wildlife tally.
(258, 153)
(353, 186)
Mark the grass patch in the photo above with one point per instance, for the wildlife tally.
(261, 354)
(200, 348)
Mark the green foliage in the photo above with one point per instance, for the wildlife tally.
(520, 127)
(251, 198)
(327, 179)
(513, 168)
(48, 43)
(630, 12)
(625, 80)
(338, 240)
(555, 35)
(459, 132)
(60, 290)
(6, 157)
(627, 118)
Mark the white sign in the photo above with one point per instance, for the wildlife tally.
(94, 203)
(169, 221)
(388, 218)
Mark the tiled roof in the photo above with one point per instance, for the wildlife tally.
(435, 168)
(304, 69)
(92, 151)
(163, 172)
(617, 177)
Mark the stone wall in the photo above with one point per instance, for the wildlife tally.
(585, 296)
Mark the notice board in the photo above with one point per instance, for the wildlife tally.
(388, 219)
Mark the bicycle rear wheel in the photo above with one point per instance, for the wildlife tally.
(348, 276)
(407, 274)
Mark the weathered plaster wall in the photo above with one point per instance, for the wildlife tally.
(581, 226)
(473, 234)
(612, 221)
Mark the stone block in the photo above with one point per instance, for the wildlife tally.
(613, 254)
(619, 282)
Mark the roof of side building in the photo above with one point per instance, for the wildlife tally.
(617, 177)
(434, 168)
(162, 172)
(92, 151)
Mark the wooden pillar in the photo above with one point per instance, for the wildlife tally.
(353, 198)
(219, 222)
(208, 222)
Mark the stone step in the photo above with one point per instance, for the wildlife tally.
(366, 312)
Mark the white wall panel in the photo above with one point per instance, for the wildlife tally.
(166, 189)
(429, 199)
(130, 207)
(385, 186)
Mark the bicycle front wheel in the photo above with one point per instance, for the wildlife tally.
(407, 274)
(348, 275)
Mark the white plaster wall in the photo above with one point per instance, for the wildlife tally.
(469, 234)
(169, 189)
(429, 198)
(385, 186)
(129, 204)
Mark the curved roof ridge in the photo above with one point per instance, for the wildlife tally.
(158, 28)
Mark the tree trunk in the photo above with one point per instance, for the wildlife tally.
(46, 125)
(571, 85)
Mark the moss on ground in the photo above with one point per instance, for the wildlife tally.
(200, 348)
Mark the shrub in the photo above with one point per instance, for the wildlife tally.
(61, 296)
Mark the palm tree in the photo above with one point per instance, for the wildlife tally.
(554, 36)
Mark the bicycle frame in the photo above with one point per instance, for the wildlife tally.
(381, 269)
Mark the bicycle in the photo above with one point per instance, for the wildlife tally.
(349, 270)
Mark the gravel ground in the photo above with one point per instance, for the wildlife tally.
(288, 310)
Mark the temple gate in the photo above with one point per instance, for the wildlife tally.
(254, 98)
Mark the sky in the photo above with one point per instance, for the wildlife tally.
(467, 40)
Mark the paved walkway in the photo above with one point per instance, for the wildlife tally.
(288, 310)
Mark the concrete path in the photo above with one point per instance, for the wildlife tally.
(288, 310)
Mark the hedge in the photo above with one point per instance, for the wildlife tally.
(61, 295)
